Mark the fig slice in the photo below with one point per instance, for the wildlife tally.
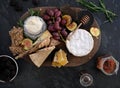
(72, 26)
(27, 43)
(95, 31)
(68, 19)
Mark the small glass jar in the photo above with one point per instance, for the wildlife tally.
(101, 64)
(36, 35)
(8, 68)
(86, 80)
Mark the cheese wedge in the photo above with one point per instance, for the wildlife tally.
(45, 35)
(45, 42)
(40, 56)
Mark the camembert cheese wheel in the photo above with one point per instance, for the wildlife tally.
(79, 42)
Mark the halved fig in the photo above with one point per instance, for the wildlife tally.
(72, 26)
(68, 19)
(95, 31)
(27, 44)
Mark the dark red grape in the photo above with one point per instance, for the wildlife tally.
(55, 34)
(58, 19)
(51, 28)
(55, 10)
(58, 13)
(46, 17)
(49, 22)
(63, 22)
(57, 26)
(64, 33)
(50, 12)
(56, 38)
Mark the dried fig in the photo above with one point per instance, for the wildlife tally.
(72, 26)
(68, 19)
(95, 31)
(27, 44)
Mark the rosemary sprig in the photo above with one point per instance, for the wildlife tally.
(33, 12)
(101, 8)
(20, 23)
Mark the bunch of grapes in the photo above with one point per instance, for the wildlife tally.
(55, 23)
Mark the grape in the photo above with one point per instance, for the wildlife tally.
(51, 28)
(63, 22)
(56, 38)
(64, 33)
(55, 10)
(58, 13)
(55, 34)
(46, 17)
(57, 26)
(55, 23)
(49, 22)
(50, 12)
(58, 19)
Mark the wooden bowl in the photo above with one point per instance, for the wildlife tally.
(73, 60)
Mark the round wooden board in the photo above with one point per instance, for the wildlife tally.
(73, 60)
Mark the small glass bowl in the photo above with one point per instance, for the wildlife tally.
(13, 62)
(101, 62)
(86, 80)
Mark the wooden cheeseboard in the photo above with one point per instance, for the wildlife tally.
(73, 60)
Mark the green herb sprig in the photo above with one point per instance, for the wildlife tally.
(20, 23)
(101, 8)
(34, 12)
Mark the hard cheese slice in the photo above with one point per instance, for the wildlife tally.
(45, 42)
(45, 35)
(40, 56)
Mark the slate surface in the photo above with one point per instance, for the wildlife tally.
(47, 77)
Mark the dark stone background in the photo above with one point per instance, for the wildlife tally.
(47, 77)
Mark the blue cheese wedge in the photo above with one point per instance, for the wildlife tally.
(79, 42)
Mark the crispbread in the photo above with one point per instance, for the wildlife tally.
(54, 42)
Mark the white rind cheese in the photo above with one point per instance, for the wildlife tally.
(79, 42)
(33, 26)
